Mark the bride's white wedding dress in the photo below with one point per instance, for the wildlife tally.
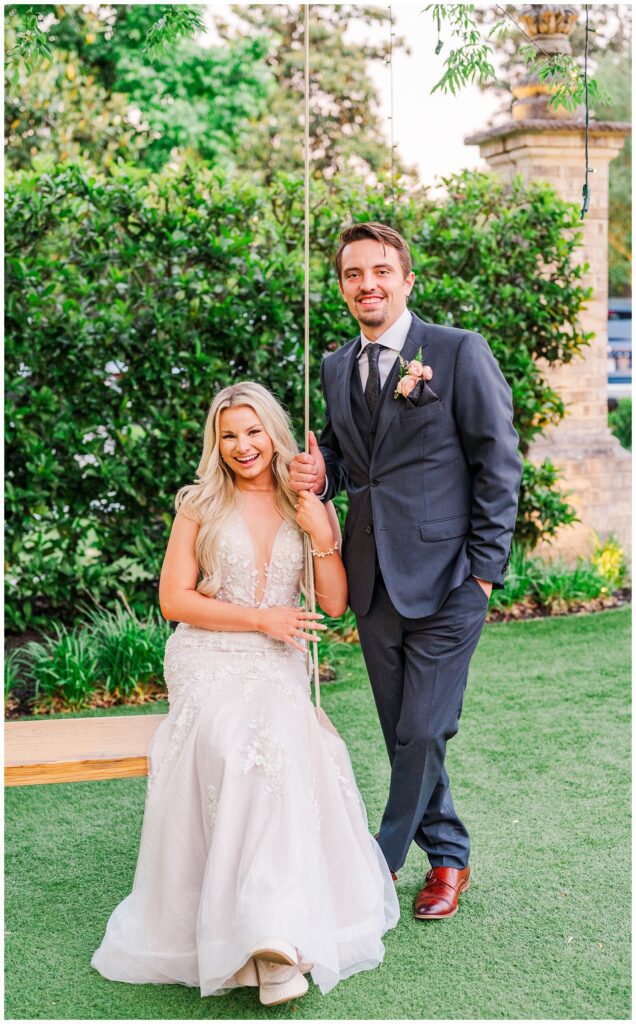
(254, 827)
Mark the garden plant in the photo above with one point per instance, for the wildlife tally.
(106, 658)
(109, 658)
(620, 422)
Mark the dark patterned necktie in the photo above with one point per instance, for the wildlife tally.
(372, 388)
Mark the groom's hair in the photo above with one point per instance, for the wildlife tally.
(379, 233)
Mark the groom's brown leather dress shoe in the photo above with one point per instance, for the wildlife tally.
(440, 895)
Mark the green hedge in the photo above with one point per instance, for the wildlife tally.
(620, 422)
(132, 298)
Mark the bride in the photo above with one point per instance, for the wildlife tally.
(255, 866)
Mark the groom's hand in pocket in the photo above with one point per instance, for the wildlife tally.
(485, 585)
(307, 471)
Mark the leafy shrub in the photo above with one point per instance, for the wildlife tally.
(129, 651)
(132, 298)
(610, 561)
(555, 586)
(543, 508)
(561, 585)
(110, 656)
(620, 422)
(63, 667)
(11, 673)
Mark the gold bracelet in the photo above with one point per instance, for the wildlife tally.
(324, 554)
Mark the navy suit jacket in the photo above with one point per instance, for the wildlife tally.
(435, 494)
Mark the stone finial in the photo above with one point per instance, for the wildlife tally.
(549, 26)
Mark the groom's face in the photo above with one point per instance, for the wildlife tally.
(373, 284)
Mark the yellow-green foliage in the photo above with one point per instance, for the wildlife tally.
(609, 559)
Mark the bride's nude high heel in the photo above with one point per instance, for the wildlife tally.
(278, 983)
(279, 976)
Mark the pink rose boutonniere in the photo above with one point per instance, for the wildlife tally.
(411, 374)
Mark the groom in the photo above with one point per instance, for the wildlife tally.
(428, 456)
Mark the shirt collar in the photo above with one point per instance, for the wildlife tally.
(394, 337)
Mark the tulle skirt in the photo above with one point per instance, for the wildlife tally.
(254, 829)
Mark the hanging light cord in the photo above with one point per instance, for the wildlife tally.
(505, 14)
(586, 188)
(392, 109)
(310, 596)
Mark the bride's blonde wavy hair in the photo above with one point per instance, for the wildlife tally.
(213, 497)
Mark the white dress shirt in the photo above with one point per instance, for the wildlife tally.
(393, 339)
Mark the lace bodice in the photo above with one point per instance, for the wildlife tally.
(239, 585)
(240, 575)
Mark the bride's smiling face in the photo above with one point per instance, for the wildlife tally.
(244, 444)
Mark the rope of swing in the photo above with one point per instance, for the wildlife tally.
(310, 587)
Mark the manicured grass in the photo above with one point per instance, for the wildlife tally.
(540, 773)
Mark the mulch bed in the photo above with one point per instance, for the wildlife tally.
(21, 701)
(532, 610)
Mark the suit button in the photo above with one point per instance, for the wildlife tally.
(369, 529)
(374, 482)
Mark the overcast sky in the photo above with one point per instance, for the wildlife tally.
(429, 129)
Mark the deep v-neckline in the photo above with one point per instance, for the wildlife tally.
(266, 565)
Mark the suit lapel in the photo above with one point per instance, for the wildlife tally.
(347, 370)
(415, 339)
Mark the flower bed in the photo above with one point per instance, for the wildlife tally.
(108, 658)
(536, 589)
(112, 658)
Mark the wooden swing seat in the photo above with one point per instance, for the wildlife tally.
(77, 749)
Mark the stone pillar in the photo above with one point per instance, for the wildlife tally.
(541, 144)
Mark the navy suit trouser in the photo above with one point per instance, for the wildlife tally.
(418, 670)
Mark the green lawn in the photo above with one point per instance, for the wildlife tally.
(540, 773)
